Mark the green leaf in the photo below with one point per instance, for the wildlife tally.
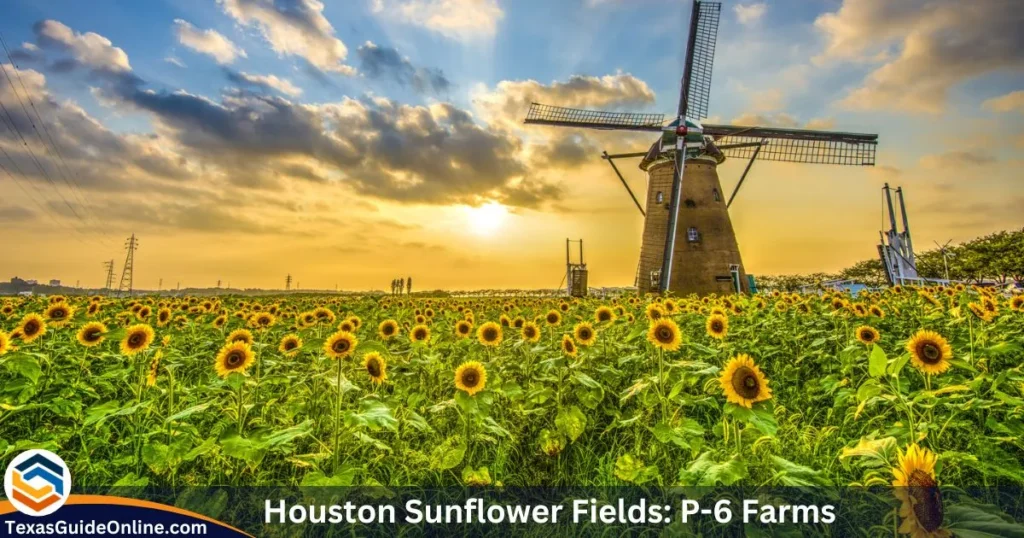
(877, 361)
(98, 413)
(705, 471)
(793, 474)
(448, 455)
(571, 422)
(187, 412)
(374, 414)
(633, 470)
(25, 366)
(974, 521)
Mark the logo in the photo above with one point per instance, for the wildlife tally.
(37, 482)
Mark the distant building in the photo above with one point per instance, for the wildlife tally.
(55, 282)
(32, 282)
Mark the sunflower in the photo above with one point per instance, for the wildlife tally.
(323, 314)
(290, 344)
(655, 312)
(918, 492)
(163, 316)
(421, 319)
(803, 307)
(32, 326)
(564, 307)
(340, 345)
(717, 326)
(743, 382)
(419, 333)
(1017, 303)
(603, 314)
(670, 306)
(307, 318)
(5, 342)
(219, 321)
(137, 338)
(58, 314)
(143, 313)
(154, 364)
(7, 310)
(376, 367)
(234, 357)
(505, 321)
(92, 334)
(530, 331)
(92, 309)
(838, 304)
(980, 312)
(346, 326)
(489, 334)
(470, 377)
(263, 320)
(387, 329)
(867, 334)
(553, 318)
(569, 346)
(664, 334)
(240, 335)
(584, 333)
(989, 305)
(463, 328)
(930, 352)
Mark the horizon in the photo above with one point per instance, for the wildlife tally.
(385, 137)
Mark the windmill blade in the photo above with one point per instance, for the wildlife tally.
(795, 145)
(700, 58)
(593, 119)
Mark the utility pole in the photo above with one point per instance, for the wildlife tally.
(945, 257)
(218, 283)
(160, 286)
(109, 266)
(127, 274)
(288, 282)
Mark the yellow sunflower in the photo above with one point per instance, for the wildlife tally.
(918, 492)
(263, 320)
(59, 314)
(603, 314)
(419, 334)
(1017, 303)
(5, 342)
(584, 333)
(387, 329)
(867, 334)
(654, 311)
(346, 326)
(743, 382)
(340, 345)
(463, 328)
(553, 318)
(163, 316)
(489, 334)
(569, 346)
(137, 338)
(219, 321)
(471, 377)
(240, 335)
(530, 331)
(154, 364)
(664, 334)
(290, 344)
(32, 326)
(356, 321)
(876, 311)
(930, 352)
(376, 367)
(92, 334)
(717, 326)
(234, 357)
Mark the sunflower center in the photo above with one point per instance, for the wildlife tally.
(490, 334)
(716, 326)
(655, 314)
(234, 359)
(585, 334)
(604, 316)
(290, 345)
(136, 339)
(92, 335)
(552, 319)
(663, 334)
(58, 314)
(929, 352)
(373, 368)
(389, 330)
(530, 332)
(340, 346)
(867, 336)
(927, 499)
(31, 328)
(464, 329)
(745, 383)
(470, 378)
(420, 334)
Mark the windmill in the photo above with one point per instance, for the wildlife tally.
(896, 248)
(706, 258)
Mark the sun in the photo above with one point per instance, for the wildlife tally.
(486, 219)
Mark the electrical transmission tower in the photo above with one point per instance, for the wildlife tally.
(109, 266)
(129, 261)
(288, 283)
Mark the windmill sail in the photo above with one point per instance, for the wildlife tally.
(593, 119)
(795, 145)
(701, 58)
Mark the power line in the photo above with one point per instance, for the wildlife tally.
(128, 272)
(76, 189)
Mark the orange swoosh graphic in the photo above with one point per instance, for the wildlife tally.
(25, 487)
(32, 503)
(7, 508)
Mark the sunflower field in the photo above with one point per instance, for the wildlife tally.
(906, 387)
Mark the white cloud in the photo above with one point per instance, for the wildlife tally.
(90, 48)
(1011, 102)
(749, 14)
(294, 28)
(282, 85)
(456, 19)
(209, 42)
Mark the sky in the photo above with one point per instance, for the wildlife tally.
(351, 142)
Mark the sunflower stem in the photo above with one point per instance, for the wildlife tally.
(337, 420)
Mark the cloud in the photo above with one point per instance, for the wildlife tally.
(925, 48)
(778, 119)
(208, 42)
(89, 49)
(294, 28)
(11, 213)
(1011, 102)
(175, 61)
(272, 82)
(957, 159)
(749, 14)
(455, 19)
(385, 62)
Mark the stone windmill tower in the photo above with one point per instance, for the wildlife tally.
(689, 245)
